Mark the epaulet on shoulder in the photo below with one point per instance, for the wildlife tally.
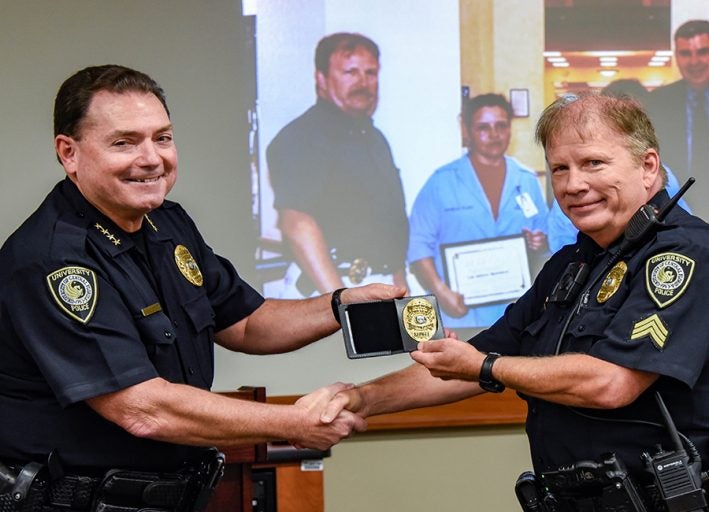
(161, 213)
(173, 207)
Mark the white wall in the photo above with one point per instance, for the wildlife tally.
(465, 470)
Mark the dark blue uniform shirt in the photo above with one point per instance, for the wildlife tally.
(650, 316)
(339, 169)
(85, 311)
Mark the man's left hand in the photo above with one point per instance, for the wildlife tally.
(449, 358)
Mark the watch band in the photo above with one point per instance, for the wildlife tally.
(335, 303)
(486, 380)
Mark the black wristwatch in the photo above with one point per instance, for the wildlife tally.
(486, 380)
(335, 303)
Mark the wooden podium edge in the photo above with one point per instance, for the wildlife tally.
(485, 410)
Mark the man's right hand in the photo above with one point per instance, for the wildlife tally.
(347, 399)
(321, 435)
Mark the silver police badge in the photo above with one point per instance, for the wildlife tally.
(667, 276)
(75, 291)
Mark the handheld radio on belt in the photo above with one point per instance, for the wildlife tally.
(677, 474)
(604, 485)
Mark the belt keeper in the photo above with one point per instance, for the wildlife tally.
(24, 481)
(335, 303)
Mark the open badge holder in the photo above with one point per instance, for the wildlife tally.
(381, 328)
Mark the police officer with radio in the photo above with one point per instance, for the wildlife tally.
(110, 305)
(609, 347)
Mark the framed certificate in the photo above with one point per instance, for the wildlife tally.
(487, 271)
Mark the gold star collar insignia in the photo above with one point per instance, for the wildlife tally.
(110, 236)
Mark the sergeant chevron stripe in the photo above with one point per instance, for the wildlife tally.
(654, 328)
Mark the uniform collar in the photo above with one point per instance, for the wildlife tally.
(151, 226)
(100, 229)
(586, 247)
(334, 115)
(660, 199)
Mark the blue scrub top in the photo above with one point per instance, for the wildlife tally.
(452, 207)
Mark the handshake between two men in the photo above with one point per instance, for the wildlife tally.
(446, 370)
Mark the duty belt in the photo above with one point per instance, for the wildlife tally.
(121, 490)
(602, 485)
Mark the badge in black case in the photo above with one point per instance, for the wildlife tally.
(382, 328)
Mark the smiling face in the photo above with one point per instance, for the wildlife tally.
(596, 180)
(124, 160)
(692, 56)
(351, 82)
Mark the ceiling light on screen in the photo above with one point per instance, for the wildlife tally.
(608, 72)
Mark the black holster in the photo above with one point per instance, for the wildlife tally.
(118, 490)
(602, 485)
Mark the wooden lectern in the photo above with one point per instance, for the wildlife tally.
(296, 490)
(234, 492)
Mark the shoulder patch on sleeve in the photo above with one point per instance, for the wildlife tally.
(75, 291)
(667, 276)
